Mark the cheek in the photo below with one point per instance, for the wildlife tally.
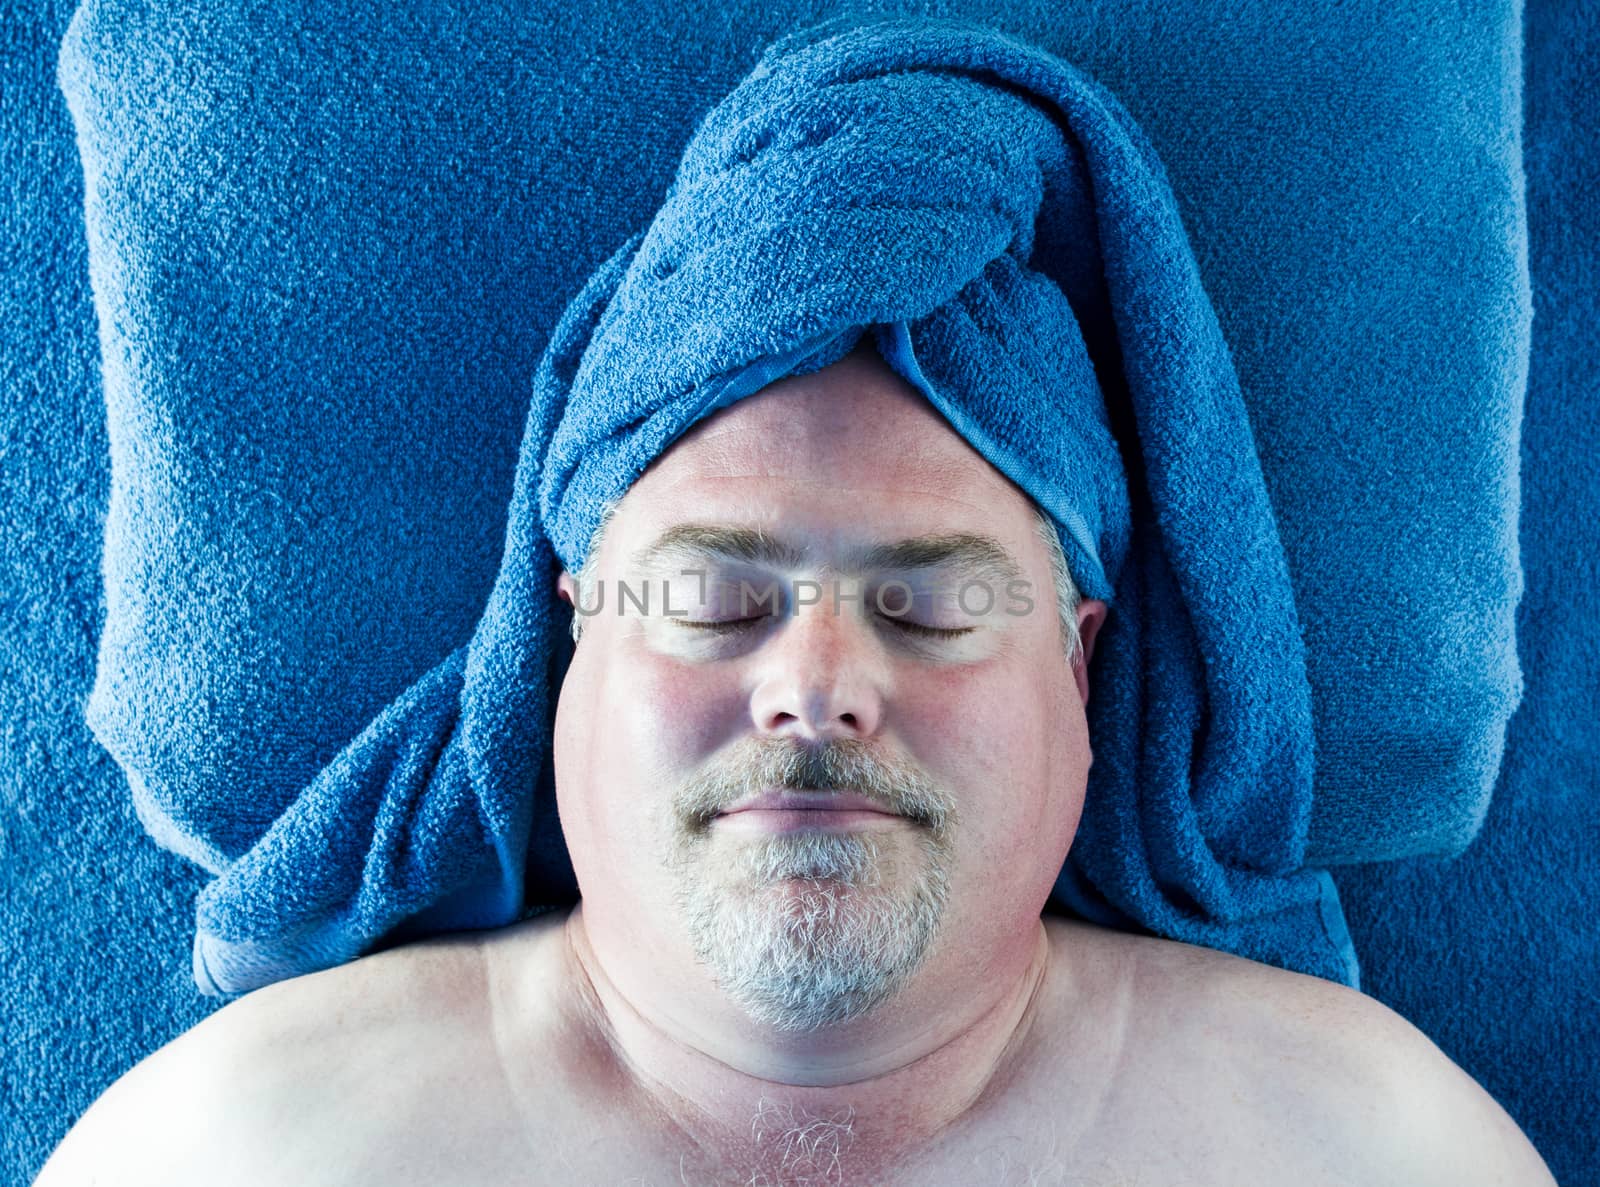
(582, 766)
(1002, 740)
(631, 727)
(672, 715)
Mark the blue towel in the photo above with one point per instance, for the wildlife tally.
(1448, 944)
(313, 226)
(315, 271)
(1042, 294)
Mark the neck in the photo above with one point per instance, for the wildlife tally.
(882, 1085)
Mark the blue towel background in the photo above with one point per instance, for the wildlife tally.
(93, 915)
(1496, 955)
(766, 259)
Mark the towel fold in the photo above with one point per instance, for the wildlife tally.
(1004, 231)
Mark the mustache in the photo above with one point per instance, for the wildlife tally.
(845, 765)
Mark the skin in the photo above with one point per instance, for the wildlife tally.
(593, 1046)
(643, 708)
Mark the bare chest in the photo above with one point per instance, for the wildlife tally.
(480, 1137)
(1119, 1098)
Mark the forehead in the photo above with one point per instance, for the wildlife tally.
(850, 446)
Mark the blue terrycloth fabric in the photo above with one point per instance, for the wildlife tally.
(367, 215)
(1035, 244)
(283, 231)
(1495, 954)
(94, 919)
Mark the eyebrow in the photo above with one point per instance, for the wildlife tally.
(691, 542)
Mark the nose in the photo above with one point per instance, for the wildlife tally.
(821, 678)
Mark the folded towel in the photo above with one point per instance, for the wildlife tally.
(313, 225)
(1041, 292)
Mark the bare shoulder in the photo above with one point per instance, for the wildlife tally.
(215, 1104)
(1368, 1097)
(1396, 1108)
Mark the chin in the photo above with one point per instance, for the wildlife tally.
(808, 934)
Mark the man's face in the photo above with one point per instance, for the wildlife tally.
(818, 808)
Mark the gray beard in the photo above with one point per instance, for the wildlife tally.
(810, 929)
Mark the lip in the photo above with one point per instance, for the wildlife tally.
(754, 822)
(808, 802)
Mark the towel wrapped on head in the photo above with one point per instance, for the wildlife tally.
(998, 224)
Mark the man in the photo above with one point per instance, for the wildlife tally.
(813, 848)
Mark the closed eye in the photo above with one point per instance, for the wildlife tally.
(719, 624)
(911, 628)
(929, 632)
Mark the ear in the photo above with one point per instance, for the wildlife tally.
(567, 588)
(1091, 617)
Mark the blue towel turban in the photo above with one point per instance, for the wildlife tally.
(999, 226)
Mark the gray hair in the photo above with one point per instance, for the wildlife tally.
(1066, 590)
